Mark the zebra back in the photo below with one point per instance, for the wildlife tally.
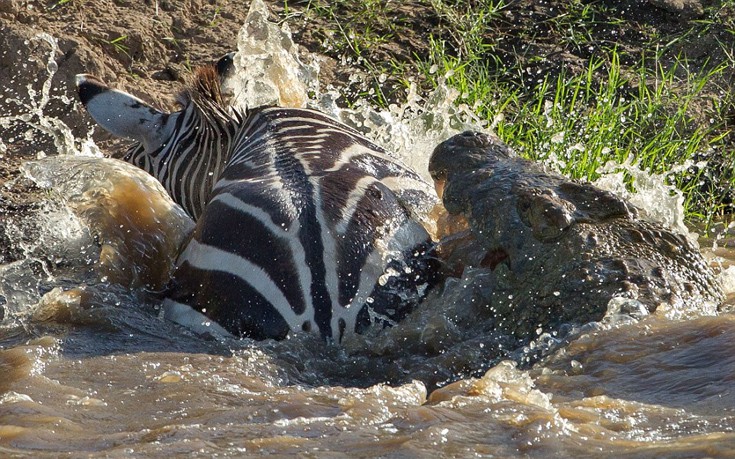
(316, 237)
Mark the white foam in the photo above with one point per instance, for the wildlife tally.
(270, 71)
(662, 203)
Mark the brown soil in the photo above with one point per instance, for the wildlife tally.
(162, 40)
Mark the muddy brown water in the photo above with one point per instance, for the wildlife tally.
(88, 368)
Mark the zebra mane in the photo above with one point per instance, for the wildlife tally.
(204, 89)
(206, 83)
(202, 94)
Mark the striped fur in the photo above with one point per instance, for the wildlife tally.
(302, 223)
(192, 158)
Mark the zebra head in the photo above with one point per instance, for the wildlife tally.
(194, 140)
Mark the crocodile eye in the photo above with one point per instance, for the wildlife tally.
(472, 139)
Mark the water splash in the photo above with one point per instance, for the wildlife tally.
(661, 203)
(410, 130)
(31, 112)
(137, 225)
(269, 71)
(53, 242)
(631, 390)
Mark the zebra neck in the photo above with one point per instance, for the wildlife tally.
(191, 160)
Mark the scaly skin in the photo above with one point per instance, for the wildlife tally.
(561, 250)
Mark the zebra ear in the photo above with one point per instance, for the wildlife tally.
(122, 114)
(225, 65)
(225, 68)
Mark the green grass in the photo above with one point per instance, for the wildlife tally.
(358, 34)
(639, 112)
(631, 93)
(119, 44)
(58, 4)
(582, 126)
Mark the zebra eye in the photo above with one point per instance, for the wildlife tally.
(182, 100)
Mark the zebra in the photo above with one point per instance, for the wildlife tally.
(302, 223)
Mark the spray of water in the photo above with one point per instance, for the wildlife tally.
(662, 203)
(269, 70)
(31, 112)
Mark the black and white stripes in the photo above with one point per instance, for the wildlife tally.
(194, 155)
(301, 223)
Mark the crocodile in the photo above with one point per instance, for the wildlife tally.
(562, 251)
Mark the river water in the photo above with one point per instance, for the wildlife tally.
(89, 368)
